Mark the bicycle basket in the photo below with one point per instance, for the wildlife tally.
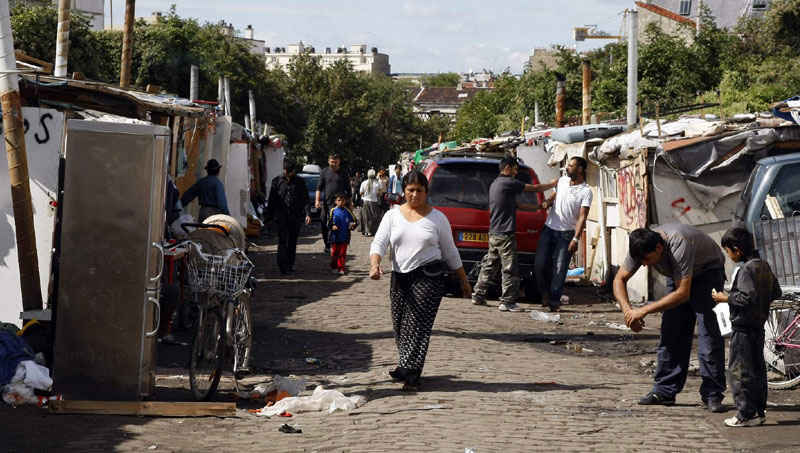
(220, 274)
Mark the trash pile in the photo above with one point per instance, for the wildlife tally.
(282, 398)
(22, 374)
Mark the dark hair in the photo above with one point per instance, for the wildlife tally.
(415, 177)
(341, 195)
(508, 161)
(334, 155)
(581, 163)
(290, 165)
(739, 238)
(643, 241)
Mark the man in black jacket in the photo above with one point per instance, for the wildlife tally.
(288, 204)
(332, 180)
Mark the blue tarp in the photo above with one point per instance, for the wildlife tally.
(13, 350)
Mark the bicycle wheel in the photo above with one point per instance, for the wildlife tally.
(780, 331)
(205, 366)
(242, 330)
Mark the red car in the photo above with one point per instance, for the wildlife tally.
(459, 187)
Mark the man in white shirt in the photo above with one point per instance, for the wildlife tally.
(558, 241)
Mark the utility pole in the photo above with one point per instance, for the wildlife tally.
(14, 132)
(252, 100)
(228, 111)
(62, 39)
(127, 44)
(633, 65)
(536, 114)
(587, 92)
(194, 83)
(699, 15)
(561, 99)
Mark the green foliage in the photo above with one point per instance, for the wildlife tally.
(35, 27)
(745, 70)
(446, 79)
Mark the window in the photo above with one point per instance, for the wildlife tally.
(760, 5)
(783, 199)
(466, 185)
(686, 7)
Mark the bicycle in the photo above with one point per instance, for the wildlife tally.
(221, 289)
(782, 344)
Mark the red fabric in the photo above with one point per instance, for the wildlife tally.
(338, 255)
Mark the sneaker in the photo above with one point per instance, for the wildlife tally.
(399, 374)
(655, 399)
(736, 422)
(510, 306)
(478, 301)
(341, 272)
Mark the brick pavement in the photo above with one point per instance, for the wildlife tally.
(490, 383)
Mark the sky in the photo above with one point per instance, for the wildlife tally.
(418, 35)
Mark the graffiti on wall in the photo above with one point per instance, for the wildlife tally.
(632, 192)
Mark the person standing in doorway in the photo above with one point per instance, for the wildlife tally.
(694, 266)
(289, 206)
(558, 241)
(332, 180)
(502, 252)
(210, 191)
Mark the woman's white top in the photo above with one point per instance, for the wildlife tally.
(370, 195)
(414, 244)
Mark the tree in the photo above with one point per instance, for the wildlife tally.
(445, 79)
(35, 27)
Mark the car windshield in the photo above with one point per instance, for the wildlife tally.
(466, 185)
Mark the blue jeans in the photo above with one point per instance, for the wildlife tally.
(552, 260)
(677, 333)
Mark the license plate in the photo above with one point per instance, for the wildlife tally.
(469, 236)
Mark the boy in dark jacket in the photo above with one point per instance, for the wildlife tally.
(340, 222)
(754, 287)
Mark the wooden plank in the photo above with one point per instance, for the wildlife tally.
(144, 408)
(177, 124)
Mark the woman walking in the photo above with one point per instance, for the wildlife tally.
(370, 209)
(423, 255)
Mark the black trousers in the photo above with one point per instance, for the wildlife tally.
(677, 333)
(323, 219)
(747, 373)
(415, 300)
(288, 231)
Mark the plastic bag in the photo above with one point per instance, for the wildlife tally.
(18, 393)
(547, 317)
(36, 376)
(320, 400)
(279, 384)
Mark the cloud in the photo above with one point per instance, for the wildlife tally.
(419, 9)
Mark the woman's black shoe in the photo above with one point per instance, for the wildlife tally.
(399, 374)
(412, 383)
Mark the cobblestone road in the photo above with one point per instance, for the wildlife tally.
(493, 382)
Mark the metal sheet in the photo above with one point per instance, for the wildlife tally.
(110, 191)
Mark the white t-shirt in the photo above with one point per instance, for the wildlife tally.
(370, 195)
(414, 244)
(563, 215)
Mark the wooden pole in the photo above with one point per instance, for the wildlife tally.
(561, 101)
(14, 132)
(62, 39)
(127, 44)
(587, 92)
